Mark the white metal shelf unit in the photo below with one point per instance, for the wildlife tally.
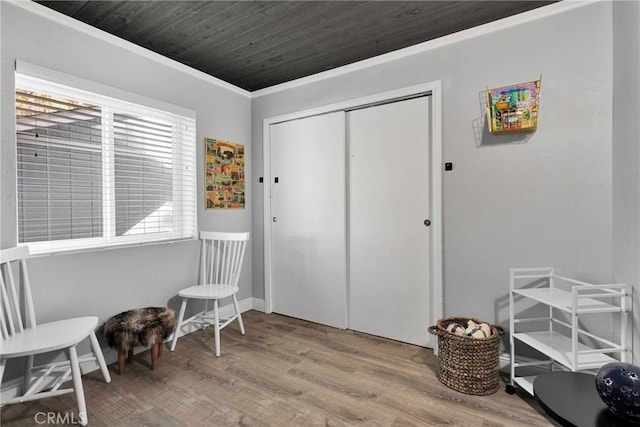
(575, 298)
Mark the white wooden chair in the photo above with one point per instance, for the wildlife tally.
(221, 257)
(22, 337)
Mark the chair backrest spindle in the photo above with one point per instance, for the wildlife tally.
(12, 318)
(31, 311)
(221, 257)
(6, 318)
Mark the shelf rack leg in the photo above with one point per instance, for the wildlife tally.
(624, 323)
(512, 367)
(574, 328)
(552, 285)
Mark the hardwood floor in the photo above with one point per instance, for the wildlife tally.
(284, 371)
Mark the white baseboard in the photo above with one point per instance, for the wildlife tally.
(257, 304)
(12, 387)
(504, 361)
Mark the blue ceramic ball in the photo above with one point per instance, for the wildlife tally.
(618, 385)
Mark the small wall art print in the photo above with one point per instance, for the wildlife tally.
(514, 108)
(224, 174)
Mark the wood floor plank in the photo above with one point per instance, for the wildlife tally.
(341, 409)
(389, 397)
(284, 372)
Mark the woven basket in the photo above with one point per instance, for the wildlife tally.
(468, 365)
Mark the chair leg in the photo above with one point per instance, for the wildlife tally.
(27, 372)
(237, 307)
(179, 325)
(77, 385)
(204, 313)
(97, 351)
(154, 356)
(216, 327)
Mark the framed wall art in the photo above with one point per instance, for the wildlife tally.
(224, 175)
(513, 108)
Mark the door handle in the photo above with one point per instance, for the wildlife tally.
(275, 219)
(427, 222)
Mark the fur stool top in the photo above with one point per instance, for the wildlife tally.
(147, 327)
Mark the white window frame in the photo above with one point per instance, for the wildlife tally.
(184, 225)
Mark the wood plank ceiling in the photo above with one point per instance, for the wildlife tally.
(257, 44)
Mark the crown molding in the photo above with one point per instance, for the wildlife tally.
(67, 21)
(501, 24)
(511, 21)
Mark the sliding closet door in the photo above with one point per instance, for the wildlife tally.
(308, 227)
(389, 160)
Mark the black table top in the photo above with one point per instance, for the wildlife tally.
(571, 399)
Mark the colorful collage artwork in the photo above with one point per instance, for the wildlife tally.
(224, 169)
(514, 108)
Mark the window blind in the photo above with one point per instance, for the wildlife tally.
(95, 171)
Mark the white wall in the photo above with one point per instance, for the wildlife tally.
(626, 150)
(104, 283)
(541, 199)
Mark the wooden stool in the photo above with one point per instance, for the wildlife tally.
(148, 327)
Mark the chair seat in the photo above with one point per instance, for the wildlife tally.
(48, 337)
(208, 291)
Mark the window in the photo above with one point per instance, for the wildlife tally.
(94, 171)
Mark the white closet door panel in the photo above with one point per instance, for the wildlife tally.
(309, 232)
(389, 196)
